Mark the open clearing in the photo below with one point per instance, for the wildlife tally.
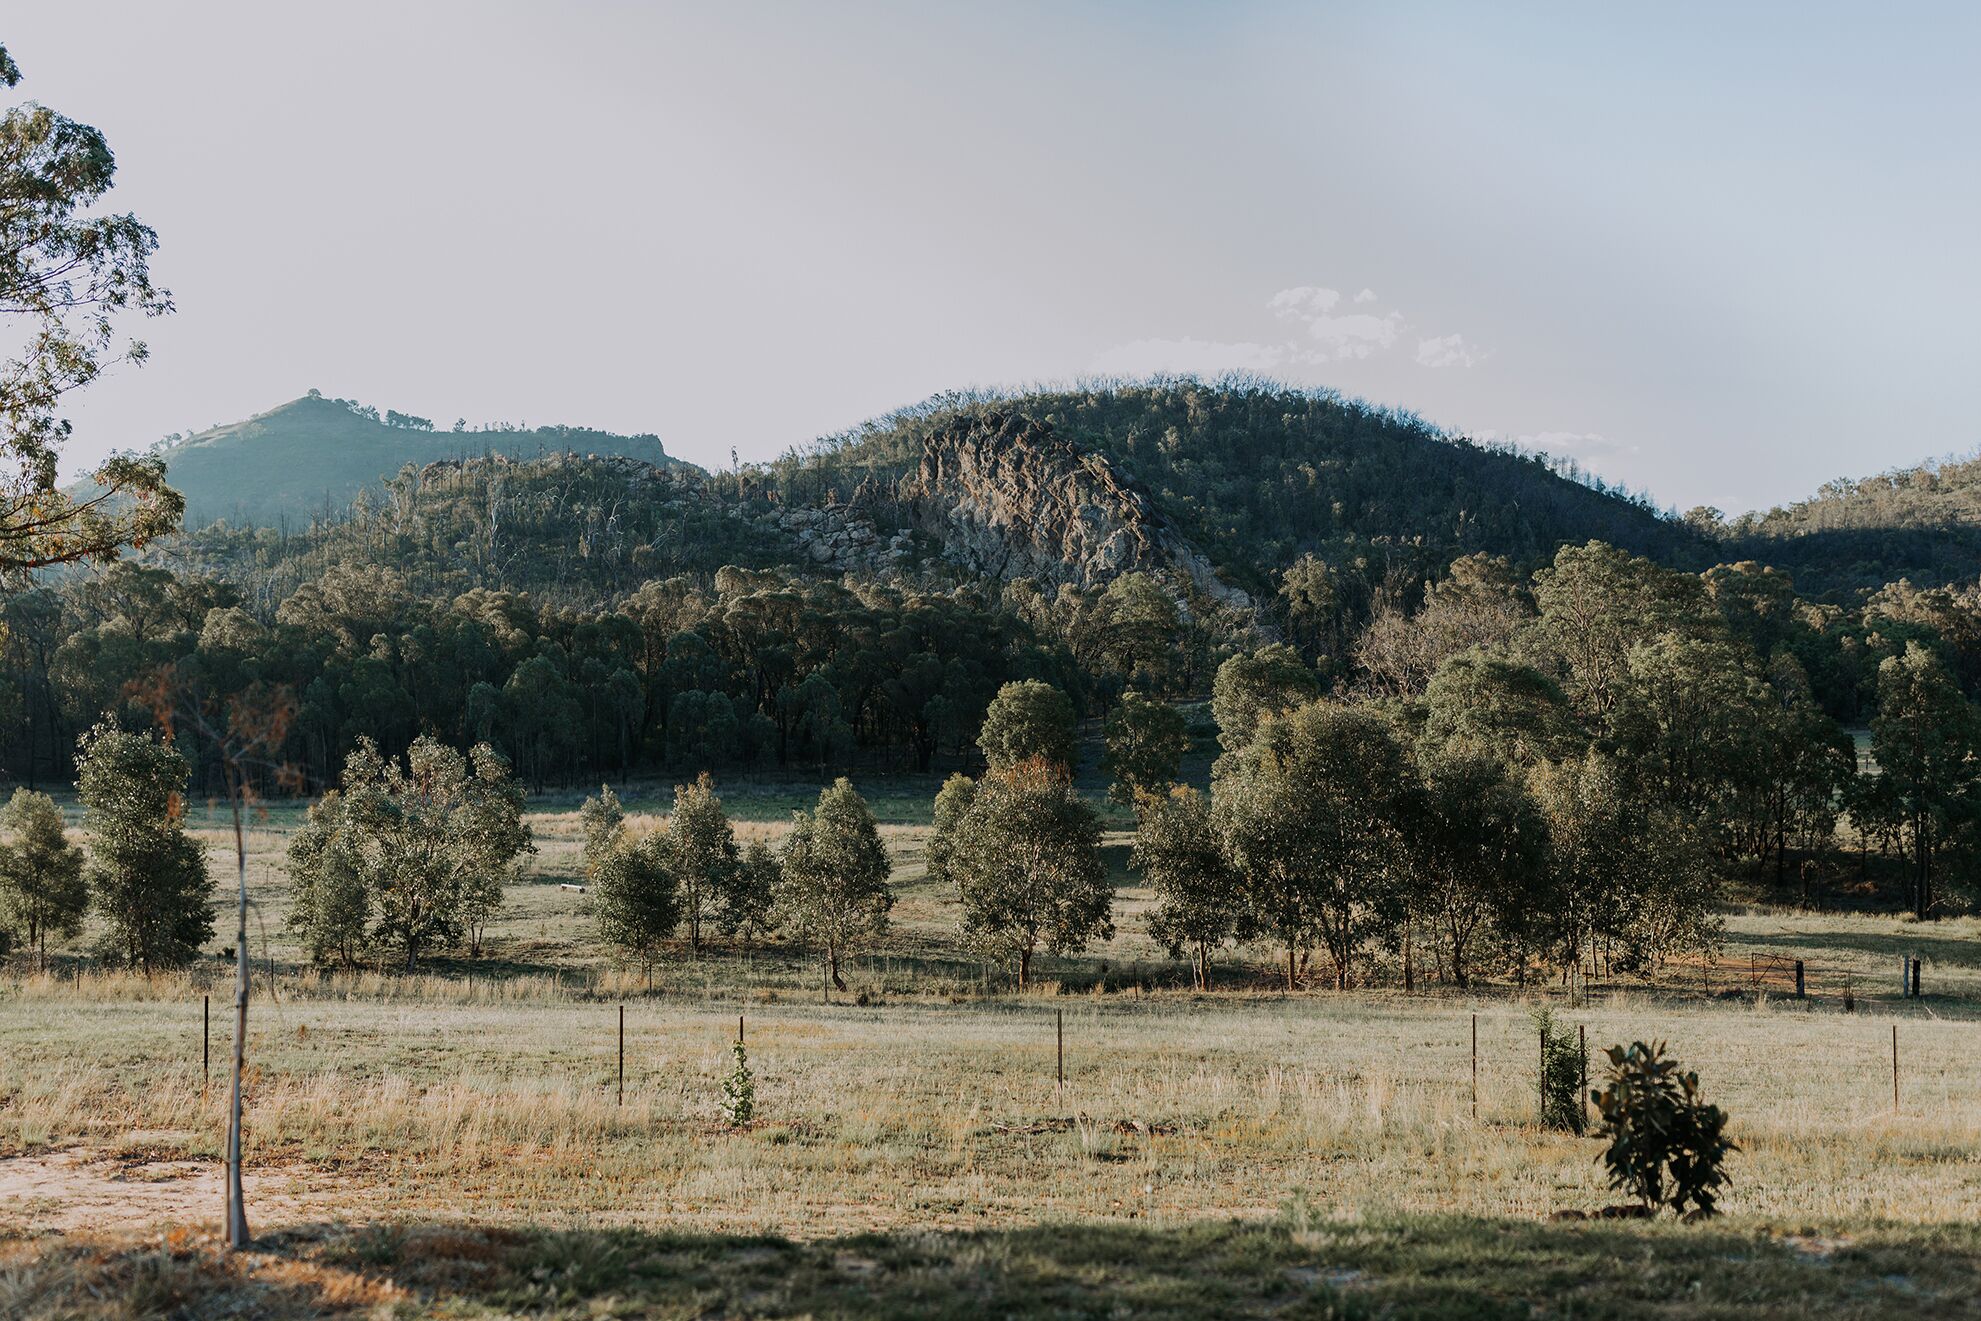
(436, 1144)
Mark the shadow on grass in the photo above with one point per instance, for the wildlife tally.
(1403, 1267)
(1951, 949)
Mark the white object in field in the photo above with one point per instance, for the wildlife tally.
(574, 889)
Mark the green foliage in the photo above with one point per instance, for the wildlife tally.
(1146, 741)
(1667, 1147)
(1629, 876)
(331, 915)
(749, 908)
(1563, 1069)
(1480, 849)
(739, 1089)
(42, 892)
(1200, 903)
(603, 822)
(147, 877)
(428, 845)
(1028, 719)
(704, 856)
(1025, 857)
(635, 895)
(1248, 688)
(1926, 739)
(952, 805)
(833, 891)
(1313, 815)
(1501, 709)
(69, 276)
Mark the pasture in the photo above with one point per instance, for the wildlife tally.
(454, 1142)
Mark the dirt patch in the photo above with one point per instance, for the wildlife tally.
(70, 1190)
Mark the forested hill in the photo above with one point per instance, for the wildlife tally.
(1854, 536)
(313, 455)
(1255, 475)
(1225, 492)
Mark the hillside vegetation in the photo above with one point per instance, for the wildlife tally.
(1257, 474)
(1854, 536)
(311, 456)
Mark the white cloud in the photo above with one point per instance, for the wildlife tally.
(1356, 335)
(1304, 302)
(1448, 351)
(1319, 335)
(1202, 357)
(1351, 335)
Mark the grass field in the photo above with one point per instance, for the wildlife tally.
(447, 1146)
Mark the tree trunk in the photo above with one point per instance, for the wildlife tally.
(1024, 968)
(1291, 952)
(832, 958)
(1203, 967)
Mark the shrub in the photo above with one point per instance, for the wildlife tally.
(1563, 1069)
(739, 1090)
(1667, 1147)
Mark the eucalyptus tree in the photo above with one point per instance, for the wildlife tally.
(1146, 740)
(832, 892)
(1028, 719)
(704, 854)
(1199, 905)
(147, 877)
(1026, 860)
(41, 873)
(1479, 848)
(69, 277)
(1313, 813)
(432, 841)
(1250, 687)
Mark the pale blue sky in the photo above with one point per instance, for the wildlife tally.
(1721, 255)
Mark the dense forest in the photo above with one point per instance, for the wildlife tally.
(597, 615)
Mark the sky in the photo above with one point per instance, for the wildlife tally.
(1720, 254)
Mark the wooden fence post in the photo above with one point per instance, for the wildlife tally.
(205, 1040)
(622, 1054)
(1582, 1039)
(1059, 1042)
(1475, 1066)
(1801, 991)
(1895, 1068)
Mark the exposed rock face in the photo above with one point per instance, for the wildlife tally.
(1009, 498)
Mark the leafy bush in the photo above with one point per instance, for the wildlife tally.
(1563, 1068)
(1667, 1147)
(739, 1090)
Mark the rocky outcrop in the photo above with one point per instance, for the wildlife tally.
(843, 537)
(1008, 497)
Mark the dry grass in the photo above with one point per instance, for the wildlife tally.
(487, 1100)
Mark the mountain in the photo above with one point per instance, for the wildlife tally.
(313, 455)
(1248, 476)
(1215, 490)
